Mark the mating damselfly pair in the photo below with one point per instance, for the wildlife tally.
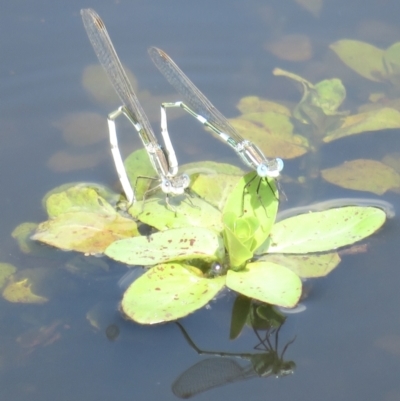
(163, 159)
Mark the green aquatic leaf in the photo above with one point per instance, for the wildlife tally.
(257, 199)
(239, 238)
(80, 187)
(363, 175)
(373, 120)
(214, 188)
(266, 282)
(77, 199)
(168, 292)
(6, 270)
(90, 233)
(274, 136)
(325, 231)
(139, 169)
(171, 245)
(189, 211)
(363, 58)
(306, 266)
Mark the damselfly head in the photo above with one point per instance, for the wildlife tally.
(271, 168)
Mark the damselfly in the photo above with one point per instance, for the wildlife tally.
(201, 108)
(223, 369)
(163, 160)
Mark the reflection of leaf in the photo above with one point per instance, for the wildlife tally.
(240, 312)
(306, 266)
(190, 211)
(374, 120)
(324, 231)
(168, 292)
(363, 58)
(171, 245)
(266, 282)
(275, 138)
(363, 175)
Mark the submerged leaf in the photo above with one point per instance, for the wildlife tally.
(324, 231)
(363, 58)
(373, 120)
(306, 266)
(171, 245)
(363, 175)
(21, 292)
(168, 292)
(266, 282)
(6, 270)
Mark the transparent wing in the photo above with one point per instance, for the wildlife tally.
(108, 58)
(193, 97)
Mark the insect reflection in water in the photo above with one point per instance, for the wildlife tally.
(222, 368)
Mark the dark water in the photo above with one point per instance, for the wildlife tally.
(347, 343)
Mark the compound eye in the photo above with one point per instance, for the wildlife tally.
(166, 186)
(262, 170)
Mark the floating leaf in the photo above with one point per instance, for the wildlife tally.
(6, 270)
(139, 169)
(80, 187)
(171, 245)
(255, 197)
(275, 137)
(86, 232)
(363, 175)
(190, 211)
(168, 292)
(325, 231)
(77, 199)
(363, 58)
(21, 292)
(214, 188)
(266, 282)
(374, 120)
(306, 266)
